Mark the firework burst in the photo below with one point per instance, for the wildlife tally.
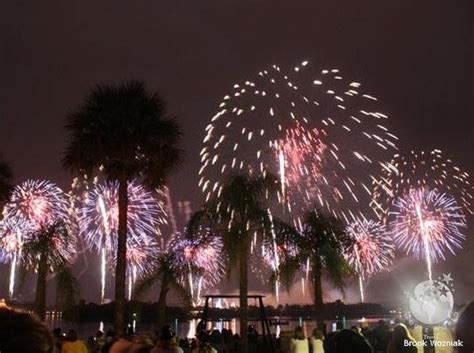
(429, 170)
(427, 224)
(322, 135)
(424, 198)
(11, 238)
(98, 222)
(37, 203)
(204, 262)
(11, 241)
(98, 216)
(32, 205)
(371, 251)
(138, 254)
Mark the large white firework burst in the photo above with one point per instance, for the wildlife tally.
(98, 216)
(322, 135)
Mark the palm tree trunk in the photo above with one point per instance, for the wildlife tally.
(120, 270)
(161, 320)
(40, 299)
(317, 284)
(243, 284)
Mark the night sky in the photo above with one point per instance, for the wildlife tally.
(416, 56)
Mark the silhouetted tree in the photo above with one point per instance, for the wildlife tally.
(46, 250)
(164, 271)
(320, 244)
(125, 130)
(236, 213)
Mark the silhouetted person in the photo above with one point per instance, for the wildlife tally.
(167, 342)
(252, 335)
(382, 335)
(401, 341)
(368, 334)
(299, 343)
(58, 338)
(316, 341)
(346, 341)
(228, 339)
(22, 332)
(72, 344)
(236, 340)
(465, 329)
(217, 341)
(109, 341)
(203, 345)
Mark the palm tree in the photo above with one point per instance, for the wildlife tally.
(5, 181)
(236, 213)
(166, 272)
(320, 244)
(49, 249)
(125, 130)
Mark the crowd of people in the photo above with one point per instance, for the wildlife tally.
(383, 339)
(21, 332)
(355, 340)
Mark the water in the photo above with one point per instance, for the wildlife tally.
(187, 329)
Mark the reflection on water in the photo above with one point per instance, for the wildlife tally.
(188, 328)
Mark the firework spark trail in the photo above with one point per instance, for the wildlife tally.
(275, 260)
(32, 204)
(428, 224)
(372, 250)
(103, 251)
(430, 170)
(11, 244)
(103, 269)
(98, 220)
(137, 256)
(80, 187)
(425, 238)
(11, 284)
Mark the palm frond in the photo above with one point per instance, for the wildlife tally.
(178, 288)
(123, 127)
(146, 283)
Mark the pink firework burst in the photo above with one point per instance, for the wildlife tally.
(37, 203)
(204, 256)
(12, 233)
(139, 253)
(372, 249)
(300, 155)
(427, 224)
